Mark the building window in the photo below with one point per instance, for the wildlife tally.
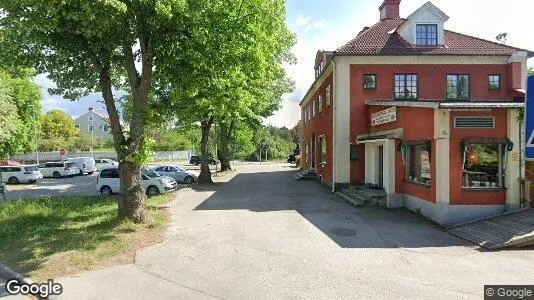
(90, 118)
(328, 96)
(106, 128)
(320, 103)
(426, 34)
(417, 162)
(458, 87)
(91, 128)
(314, 104)
(494, 82)
(483, 165)
(406, 86)
(322, 146)
(369, 81)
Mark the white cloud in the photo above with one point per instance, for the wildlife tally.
(302, 21)
(288, 116)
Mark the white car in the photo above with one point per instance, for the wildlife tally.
(85, 164)
(59, 169)
(108, 182)
(102, 163)
(178, 173)
(20, 174)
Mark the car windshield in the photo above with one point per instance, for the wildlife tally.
(31, 168)
(150, 173)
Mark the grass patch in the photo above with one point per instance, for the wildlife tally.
(50, 237)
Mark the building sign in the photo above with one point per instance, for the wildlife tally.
(529, 119)
(384, 116)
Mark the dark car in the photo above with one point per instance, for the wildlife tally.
(196, 160)
(292, 158)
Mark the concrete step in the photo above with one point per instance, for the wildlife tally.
(512, 229)
(350, 199)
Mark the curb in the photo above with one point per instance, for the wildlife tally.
(7, 273)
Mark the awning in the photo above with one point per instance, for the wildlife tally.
(505, 141)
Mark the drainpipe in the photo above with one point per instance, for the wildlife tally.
(334, 102)
(524, 188)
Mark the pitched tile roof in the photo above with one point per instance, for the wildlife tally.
(381, 39)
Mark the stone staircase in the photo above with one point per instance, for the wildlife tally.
(307, 175)
(363, 196)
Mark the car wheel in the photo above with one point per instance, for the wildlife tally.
(90, 173)
(13, 180)
(80, 173)
(106, 190)
(152, 191)
(189, 179)
(32, 181)
(56, 175)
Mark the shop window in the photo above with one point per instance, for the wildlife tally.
(328, 96)
(483, 165)
(369, 82)
(417, 163)
(322, 146)
(457, 87)
(406, 86)
(494, 81)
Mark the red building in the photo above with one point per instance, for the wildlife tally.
(426, 114)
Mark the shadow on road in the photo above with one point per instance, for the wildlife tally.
(348, 226)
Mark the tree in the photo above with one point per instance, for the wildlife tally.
(57, 124)
(104, 45)
(20, 106)
(501, 37)
(239, 46)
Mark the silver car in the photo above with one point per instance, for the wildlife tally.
(177, 173)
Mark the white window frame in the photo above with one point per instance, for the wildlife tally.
(91, 128)
(106, 126)
(320, 103)
(313, 109)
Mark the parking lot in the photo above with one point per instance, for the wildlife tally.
(84, 185)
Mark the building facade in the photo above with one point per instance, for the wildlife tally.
(94, 123)
(428, 115)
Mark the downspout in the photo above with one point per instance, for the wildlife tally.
(521, 178)
(334, 133)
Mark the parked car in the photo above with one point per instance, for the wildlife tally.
(85, 164)
(59, 169)
(292, 158)
(20, 174)
(102, 163)
(196, 160)
(177, 173)
(108, 182)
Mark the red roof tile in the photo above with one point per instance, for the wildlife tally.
(380, 39)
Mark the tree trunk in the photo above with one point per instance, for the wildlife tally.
(225, 151)
(205, 173)
(132, 199)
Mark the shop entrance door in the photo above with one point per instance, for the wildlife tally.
(380, 167)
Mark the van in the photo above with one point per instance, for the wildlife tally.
(85, 164)
(108, 182)
(20, 174)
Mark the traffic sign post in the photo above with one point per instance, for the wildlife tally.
(529, 120)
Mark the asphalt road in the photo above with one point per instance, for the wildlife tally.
(263, 235)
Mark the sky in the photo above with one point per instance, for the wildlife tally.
(327, 25)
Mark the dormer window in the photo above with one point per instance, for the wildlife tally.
(426, 34)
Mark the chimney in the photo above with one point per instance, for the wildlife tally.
(389, 9)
